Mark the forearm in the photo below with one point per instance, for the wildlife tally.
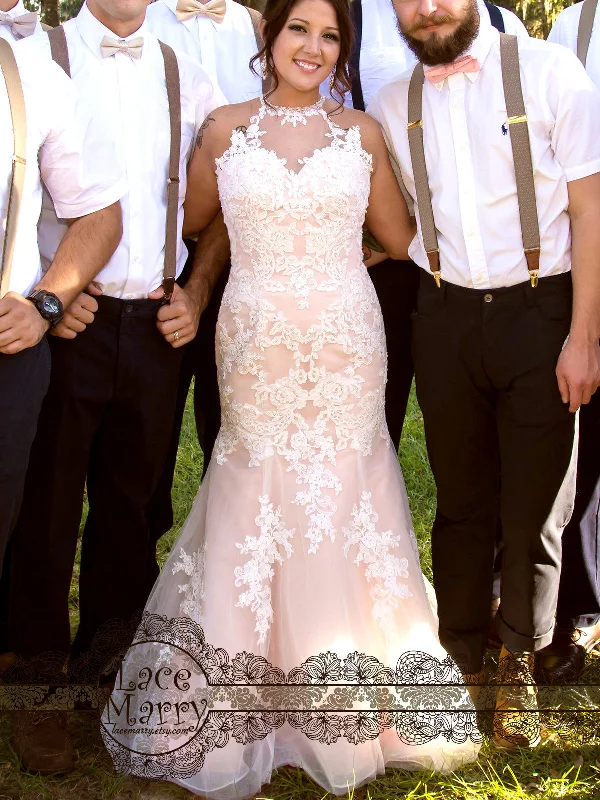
(212, 253)
(86, 247)
(585, 266)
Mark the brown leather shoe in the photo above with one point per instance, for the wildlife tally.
(564, 659)
(42, 742)
(516, 719)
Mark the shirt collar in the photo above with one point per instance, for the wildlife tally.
(92, 31)
(479, 48)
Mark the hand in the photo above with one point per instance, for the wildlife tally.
(578, 372)
(21, 325)
(77, 317)
(178, 320)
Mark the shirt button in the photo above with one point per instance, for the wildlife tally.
(128, 308)
(470, 234)
(135, 214)
(479, 277)
(136, 259)
(488, 298)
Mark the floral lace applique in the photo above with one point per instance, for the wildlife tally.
(193, 591)
(273, 543)
(381, 566)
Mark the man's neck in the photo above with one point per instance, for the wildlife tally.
(121, 28)
(7, 5)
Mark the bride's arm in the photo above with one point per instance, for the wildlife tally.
(387, 215)
(202, 194)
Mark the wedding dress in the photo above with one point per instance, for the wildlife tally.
(299, 548)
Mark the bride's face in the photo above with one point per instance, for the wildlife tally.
(308, 46)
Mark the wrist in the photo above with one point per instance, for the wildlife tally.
(48, 306)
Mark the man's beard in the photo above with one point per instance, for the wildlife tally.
(436, 50)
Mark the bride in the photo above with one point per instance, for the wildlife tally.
(299, 548)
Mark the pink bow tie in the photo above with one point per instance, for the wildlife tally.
(464, 64)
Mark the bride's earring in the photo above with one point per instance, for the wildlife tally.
(332, 82)
(263, 67)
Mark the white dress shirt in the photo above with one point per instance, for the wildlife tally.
(224, 49)
(126, 102)
(55, 142)
(384, 55)
(470, 163)
(6, 32)
(564, 31)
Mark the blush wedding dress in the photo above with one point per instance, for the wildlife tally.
(298, 563)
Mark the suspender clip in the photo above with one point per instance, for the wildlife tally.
(533, 265)
(417, 124)
(434, 265)
(168, 287)
(516, 120)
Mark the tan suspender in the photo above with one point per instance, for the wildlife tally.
(519, 137)
(60, 54)
(174, 99)
(17, 179)
(584, 31)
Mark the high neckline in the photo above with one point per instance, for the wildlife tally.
(292, 114)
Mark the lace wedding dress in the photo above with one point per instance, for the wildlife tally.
(297, 564)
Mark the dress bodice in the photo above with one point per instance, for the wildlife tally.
(289, 215)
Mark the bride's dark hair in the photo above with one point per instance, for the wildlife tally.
(276, 14)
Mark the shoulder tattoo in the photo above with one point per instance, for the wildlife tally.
(203, 127)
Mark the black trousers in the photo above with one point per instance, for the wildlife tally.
(396, 284)
(501, 445)
(579, 591)
(24, 379)
(107, 420)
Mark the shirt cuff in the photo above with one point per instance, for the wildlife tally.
(583, 170)
(96, 203)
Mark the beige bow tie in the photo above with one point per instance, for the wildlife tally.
(214, 9)
(22, 26)
(133, 47)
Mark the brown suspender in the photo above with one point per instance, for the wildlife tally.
(174, 99)
(584, 31)
(60, 54)
(519, 137)
(17, 180)
(59, 49)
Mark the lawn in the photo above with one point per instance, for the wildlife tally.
(565, 765)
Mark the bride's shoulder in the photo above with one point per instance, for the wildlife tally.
(221, 122)
(370, 130)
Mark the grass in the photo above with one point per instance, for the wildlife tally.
(565, 765)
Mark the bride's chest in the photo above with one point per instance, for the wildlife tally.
(334, 180)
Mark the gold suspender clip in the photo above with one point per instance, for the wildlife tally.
(417, 124)
(515, 120)
(533, 265)
(433, 257)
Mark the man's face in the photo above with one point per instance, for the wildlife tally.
(437, 32)
(121, 10)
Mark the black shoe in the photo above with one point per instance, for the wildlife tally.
(564, 659)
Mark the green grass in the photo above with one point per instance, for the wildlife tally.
(565, 765)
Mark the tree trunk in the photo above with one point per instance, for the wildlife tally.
(545, 28)
(50, 12)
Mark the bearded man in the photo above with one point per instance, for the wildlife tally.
(497, 144)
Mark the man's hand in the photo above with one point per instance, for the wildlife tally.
(77, 317)
(578, 372)
(178, 320)
(21, 325)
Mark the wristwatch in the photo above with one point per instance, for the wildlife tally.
(48, 305)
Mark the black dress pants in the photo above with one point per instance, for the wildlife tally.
(396, 284)
(579, 591)
(107, 419)
(501, 448)
(24, 379)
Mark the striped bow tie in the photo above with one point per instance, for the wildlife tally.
(132, 47)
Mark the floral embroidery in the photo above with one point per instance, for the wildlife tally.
(273, 543)
(193, 591)
(381, 565)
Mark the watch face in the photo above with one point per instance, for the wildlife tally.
(50, 305)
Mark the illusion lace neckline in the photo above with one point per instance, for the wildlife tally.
(292, 114)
